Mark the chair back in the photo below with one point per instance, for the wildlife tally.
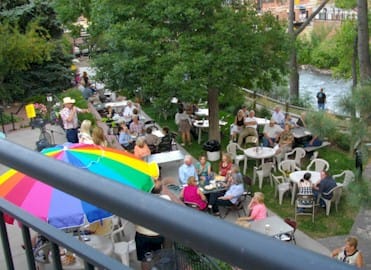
(337, 191)
(278, 179)
(348, 177)
(267, 168)
(291, 222)
(298, 154)
(232, 149)
(287, 166)
(319, 165)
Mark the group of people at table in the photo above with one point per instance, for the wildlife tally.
(134, 136)
(194, 177)
(231, 188)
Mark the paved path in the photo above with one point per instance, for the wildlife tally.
(361, 229)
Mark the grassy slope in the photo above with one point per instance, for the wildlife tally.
(336, 224)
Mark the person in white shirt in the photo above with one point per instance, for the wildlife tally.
(271, 133)
(278, 116)
(250, 126)
(128, 112)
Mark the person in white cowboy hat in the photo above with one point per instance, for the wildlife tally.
(69, 117)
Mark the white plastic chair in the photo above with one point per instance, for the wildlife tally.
(233, 149)
(319, 165)
(264, 170)
(305, 209)
(122, 248)
(296, 154)
(347, 175)
(336, 195)
(281, 187)
(286, 167)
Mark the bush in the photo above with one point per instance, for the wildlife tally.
(342, 140)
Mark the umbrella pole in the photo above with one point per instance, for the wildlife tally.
(5, 242)
(28, 247)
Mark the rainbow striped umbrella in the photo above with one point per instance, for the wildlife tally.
(63, 210)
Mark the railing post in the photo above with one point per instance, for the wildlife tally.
(28, 247)
(5, 242)
(254, 102)
(56, 256)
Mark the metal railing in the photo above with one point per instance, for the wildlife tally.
(206, 234)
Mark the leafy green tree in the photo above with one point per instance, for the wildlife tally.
(190, 49)
(18, 51)
(42, 75)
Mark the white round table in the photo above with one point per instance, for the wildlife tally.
(203, 124)
(296, 176)
(259, 152)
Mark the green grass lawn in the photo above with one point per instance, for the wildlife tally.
(337, 223)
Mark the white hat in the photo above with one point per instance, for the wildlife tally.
(68, 100)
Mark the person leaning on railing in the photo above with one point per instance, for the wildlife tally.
(349, 253)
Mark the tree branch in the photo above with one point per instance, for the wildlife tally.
(310, 18)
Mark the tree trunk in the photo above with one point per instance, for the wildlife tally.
(354, 71)
(363, 41)
(212, 99)
(294, 75)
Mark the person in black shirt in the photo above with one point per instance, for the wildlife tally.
(321, 100)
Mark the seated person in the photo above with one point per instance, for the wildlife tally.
(314, 141)
(256, 208)
(285, 142)
(147, 240)
(192, 194)
(250, 127)
(305, 194)
(238, 125)
(278, 116)
(271, 133)
(152, 140)
(187, 170)
(136, 127)
(165, 144)
(141, 149)
(203, 168)
(228, 198)
(289, 120)
(125, 138)
(225, 165)
(110, 112)
(128, 111)
(324, 185)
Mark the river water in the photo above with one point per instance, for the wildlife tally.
(311, 82)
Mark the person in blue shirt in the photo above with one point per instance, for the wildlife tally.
(125, 138)
(187, 170)
(230, 197)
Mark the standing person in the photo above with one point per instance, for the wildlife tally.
(349, 253)
(70, 120)
(84, 134)
(98, 137)
(187, 170)
(184, 123)
(321, 99)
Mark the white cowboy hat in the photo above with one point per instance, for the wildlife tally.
(68, 100)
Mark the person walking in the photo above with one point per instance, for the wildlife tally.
(70, 120)
(321, 99)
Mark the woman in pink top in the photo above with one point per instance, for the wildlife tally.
(257, 208)
(192, 194)
(141, 149)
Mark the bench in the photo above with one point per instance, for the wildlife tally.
(166, 157)
(309, 149)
